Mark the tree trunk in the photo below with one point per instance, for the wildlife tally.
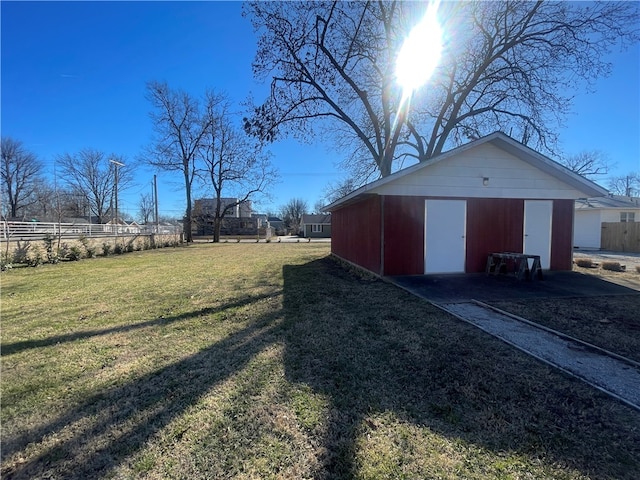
(217, 225)
(188, 236)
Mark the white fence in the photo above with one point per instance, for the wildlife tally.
(38, 230)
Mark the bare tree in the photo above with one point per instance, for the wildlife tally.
(20, 170)
(180, 127)
(337, 190)
(146, 208)
(590, 164)
(508, 65)
(91, 174)
(318, 207)
(232, 163)
(291, 213)
(44, 201)
(627, 185)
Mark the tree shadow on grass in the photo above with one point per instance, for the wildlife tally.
(12, 348)
(371, 350)
(371, 354)
(98, 435)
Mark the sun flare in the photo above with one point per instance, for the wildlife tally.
(420, 52)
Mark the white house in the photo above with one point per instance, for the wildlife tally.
(592, 212)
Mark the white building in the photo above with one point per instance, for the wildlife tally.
(207, 206)
(592, 212)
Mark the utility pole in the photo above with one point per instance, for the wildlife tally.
(117, 164)
(155, 201)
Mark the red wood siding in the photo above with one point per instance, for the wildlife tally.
(403, 235)
(493, 225)
(356, 230)
(562, 235)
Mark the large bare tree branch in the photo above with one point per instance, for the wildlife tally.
(507, 65)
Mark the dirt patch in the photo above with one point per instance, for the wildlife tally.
(630, 277)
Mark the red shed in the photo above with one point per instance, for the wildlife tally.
(446, 215)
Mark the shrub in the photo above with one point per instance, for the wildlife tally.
(613, 266)
(5, 261)
(35, 255)
(118, 249)
(21, 252)
(53, 255)
(584, 262)
(129, 247)
(71, 252)
(84, 241)
(106, 249)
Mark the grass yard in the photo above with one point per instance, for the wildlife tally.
(272, 361)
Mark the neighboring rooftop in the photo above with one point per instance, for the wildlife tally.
(611, 201)
(319, 218)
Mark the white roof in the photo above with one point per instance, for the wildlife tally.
(609, 202)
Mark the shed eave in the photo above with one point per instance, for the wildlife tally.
(502, 141)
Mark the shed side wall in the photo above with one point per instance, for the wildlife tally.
(356, 231)
(403, 235)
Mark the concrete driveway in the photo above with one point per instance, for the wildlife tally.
(487, 288)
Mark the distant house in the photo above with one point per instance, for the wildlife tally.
(447, 214)
(237, 221)
(207, 206)
(120, 226)
(133, 227)
(277, 224)
(591, 213)
(316, 226)
(261, 218)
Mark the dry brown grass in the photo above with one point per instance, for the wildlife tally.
(272, 361)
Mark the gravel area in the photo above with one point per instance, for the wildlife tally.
(630, 260)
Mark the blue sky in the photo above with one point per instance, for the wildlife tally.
(74, 73)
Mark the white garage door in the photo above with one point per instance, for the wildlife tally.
(537, 230)
(445, 231)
